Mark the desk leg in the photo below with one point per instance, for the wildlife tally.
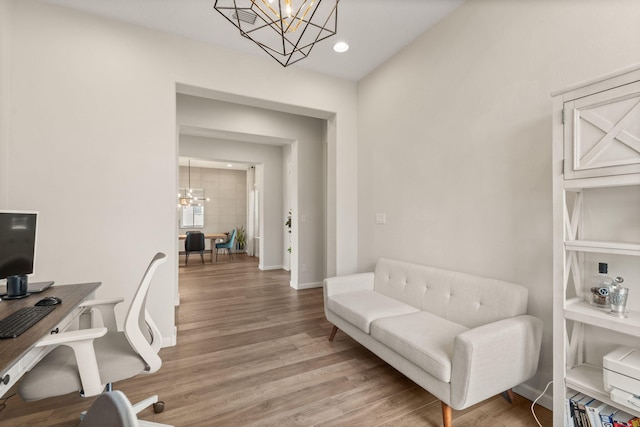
(213, 248)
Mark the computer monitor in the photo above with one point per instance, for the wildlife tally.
(18, 230)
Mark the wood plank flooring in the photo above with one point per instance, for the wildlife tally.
(253, 352)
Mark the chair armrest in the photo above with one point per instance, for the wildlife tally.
(95, 302)
(348, 283)
(107, 311)
(81, 342)
(71, 337)
(492, 358)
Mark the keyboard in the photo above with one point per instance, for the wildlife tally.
(16, 323)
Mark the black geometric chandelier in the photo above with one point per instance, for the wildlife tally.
(285, 29)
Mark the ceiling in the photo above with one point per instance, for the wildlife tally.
(375, 29)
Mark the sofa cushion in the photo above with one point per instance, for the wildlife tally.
(360, 308)
(462, 298)
(423, 338)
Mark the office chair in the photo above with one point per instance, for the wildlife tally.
(194, 242)
(228, 244)
(89, 360)
(113, 409)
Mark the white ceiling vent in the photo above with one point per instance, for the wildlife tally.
(245, 16)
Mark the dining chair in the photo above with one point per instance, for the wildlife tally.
(228, 244)
(194, 242)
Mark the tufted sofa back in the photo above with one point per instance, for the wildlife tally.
(465, 299)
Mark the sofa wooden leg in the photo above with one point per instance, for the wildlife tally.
(447, 415)
(509, 396)
(333, 333)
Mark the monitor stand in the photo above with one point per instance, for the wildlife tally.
(7, 297)
(17, 287)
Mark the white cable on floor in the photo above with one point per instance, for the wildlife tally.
(535, 401)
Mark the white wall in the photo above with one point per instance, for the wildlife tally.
(307, 187)
(459, 153)
(5, 57)
(93, 142)
(226, 190)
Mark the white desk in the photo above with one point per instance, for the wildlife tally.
(18, 355)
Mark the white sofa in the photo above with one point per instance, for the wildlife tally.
(461, 337)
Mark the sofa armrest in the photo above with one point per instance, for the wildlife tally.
(348, 283)
(492, 358)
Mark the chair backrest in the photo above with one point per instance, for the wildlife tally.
(194, 241)
(141, 332)
(110, 409)
(230, 241)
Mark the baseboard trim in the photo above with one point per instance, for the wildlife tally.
(270, 267)
(305, 285)
(525, 390)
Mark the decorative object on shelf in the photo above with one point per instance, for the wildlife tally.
(618, 296)
(601, 288)
(286, 29)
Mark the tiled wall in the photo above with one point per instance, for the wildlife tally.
(227, 191)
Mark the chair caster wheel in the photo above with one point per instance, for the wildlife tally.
(158, 407)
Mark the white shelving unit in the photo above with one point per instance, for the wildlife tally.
(596, 145)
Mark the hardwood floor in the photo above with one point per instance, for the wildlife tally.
(254, 352)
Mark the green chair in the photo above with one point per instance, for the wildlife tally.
(228, 244)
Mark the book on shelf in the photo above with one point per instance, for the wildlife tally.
(573, 406)
(568, 411)
(593, 412)
(582, 410)
(579, 411)
(625, 419)
(606, 415)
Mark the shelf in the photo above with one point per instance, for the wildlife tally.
(617, 248)
(578, 184)
(588, 379)
(582, 311)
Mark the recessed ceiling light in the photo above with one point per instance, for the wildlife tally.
(229, 165)
(341, 47)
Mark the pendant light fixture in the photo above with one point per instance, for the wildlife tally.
(187, 197)
(286, 29)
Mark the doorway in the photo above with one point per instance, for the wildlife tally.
(290, 153)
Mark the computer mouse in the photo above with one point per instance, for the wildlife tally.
(49, 301)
